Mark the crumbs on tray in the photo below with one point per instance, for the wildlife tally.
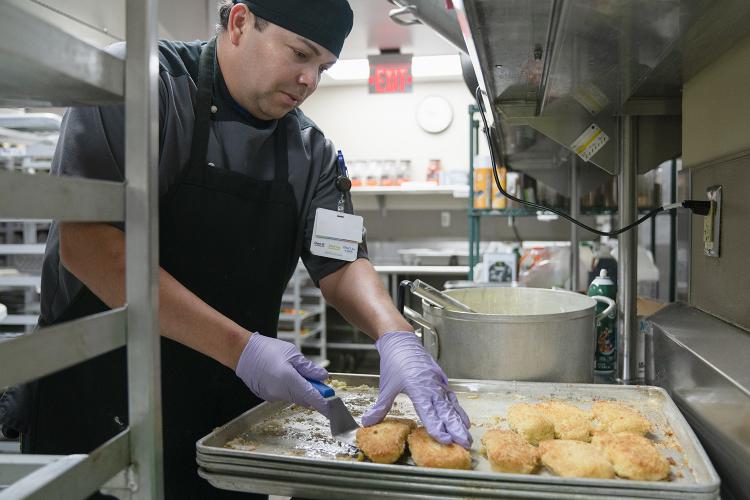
(240, 443)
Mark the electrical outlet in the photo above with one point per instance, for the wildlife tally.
(445, 219)
(712, 223)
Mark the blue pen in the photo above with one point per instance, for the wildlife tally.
(343, 183)
(342, 164)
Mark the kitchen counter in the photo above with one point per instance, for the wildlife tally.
(702, 362)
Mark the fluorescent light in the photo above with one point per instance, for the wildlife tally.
(432, 66)
(350, 69)
(422, 67)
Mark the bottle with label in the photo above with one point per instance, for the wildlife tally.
(606, 334)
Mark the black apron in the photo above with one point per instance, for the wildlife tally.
(229, 239)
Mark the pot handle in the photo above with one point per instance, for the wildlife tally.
(401, 297)
(430, 338)
(610, 305)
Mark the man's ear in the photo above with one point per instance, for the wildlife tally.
(240, 20)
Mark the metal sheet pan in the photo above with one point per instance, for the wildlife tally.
(400, 484)
(291, 440)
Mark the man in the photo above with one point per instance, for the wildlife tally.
(241, 174)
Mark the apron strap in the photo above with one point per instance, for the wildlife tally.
(281, 153)
(206, 70)
(201, 128)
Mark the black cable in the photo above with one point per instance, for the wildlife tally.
(515, 229)
(480, 104)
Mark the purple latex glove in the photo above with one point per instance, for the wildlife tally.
(406, 367)
(274, 370)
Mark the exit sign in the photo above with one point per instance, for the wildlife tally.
(390, 73)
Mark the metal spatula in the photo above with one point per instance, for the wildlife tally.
(343, 426)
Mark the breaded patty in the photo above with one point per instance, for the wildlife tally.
(385, 442)
(528, 421)
(617, 417)
(570, 458)
(632, 455)
(570, 421)
(509, 452)
(427, 452)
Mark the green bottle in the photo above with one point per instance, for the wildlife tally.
(606, 333)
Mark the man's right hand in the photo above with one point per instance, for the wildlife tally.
(275, 370)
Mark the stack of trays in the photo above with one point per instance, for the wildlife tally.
(288, 450)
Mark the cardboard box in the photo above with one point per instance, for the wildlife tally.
(499, 201)
(482, 188)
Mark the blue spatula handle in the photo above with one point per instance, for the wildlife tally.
(323, 389)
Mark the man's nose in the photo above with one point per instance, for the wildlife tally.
(309, 78)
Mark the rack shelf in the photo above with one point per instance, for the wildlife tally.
(305, 326)
(21, 280)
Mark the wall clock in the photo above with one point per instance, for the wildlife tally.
(434, 114)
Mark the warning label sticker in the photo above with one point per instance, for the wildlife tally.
(589, 142)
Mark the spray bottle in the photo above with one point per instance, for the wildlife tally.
(606, 334)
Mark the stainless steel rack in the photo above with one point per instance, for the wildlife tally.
(303, 316)
(30, 140)
(43, 65)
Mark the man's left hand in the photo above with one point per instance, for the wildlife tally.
(406, 367)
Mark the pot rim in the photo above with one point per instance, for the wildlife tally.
(584, 312)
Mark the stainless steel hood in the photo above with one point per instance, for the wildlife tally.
(559, 66)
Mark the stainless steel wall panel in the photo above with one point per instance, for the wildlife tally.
(60, 346)
(62, 198)
(721, 286)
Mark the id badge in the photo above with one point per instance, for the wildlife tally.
(336, 235)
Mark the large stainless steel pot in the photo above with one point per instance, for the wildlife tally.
(528, 334)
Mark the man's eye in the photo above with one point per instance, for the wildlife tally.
(300, 55)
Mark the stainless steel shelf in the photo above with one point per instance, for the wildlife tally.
(21, 280)
(423, 270)
(307, 337)
(23, 249)
(20, 319)
(292, 317)
(47, 197)
(34, 53)
(85, 339)
(304, 292)
(410, 198)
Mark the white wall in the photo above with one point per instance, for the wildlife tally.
(376, 126)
